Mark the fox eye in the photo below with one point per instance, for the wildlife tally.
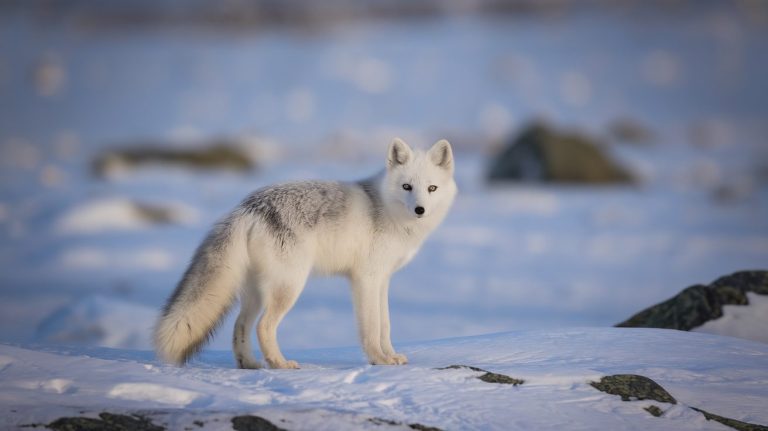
(432, 188)
(407, 187)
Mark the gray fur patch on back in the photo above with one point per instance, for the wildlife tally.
(286, 208)
(371, 190)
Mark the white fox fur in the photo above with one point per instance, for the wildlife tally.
(263, 252)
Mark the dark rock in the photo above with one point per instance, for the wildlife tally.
(632, 386)
(253, 423)
(654, 410)
(107, 422)
(156, 214)
(415, 426)
(629, 131)
(543, 154)
(488, 376)
(219, 156)
(698, 304)
(421, 427)
(381, 421)
(733, 423)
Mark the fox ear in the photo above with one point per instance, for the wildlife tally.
(441, 154)
(399, 153)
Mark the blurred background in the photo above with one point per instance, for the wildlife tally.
(609, 153)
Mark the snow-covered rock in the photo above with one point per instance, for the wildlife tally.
(99, 321)
(735, 305)
(336, 390)
(121, 214)
(743, 321)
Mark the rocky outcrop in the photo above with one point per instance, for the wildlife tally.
(216, 156)
(488, 376)
(698, 304)
(632, 387)
(105, 422)
(253, 423)
(541, 153)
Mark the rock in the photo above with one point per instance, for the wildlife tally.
(698, 304)
(629, 131)
(488, 377)
(632, 386)
(733, 423)
(543, 154)
(107, 422)
(654, 410)
(217, 156)
(253, 423)
(414, 426)
(420, 427)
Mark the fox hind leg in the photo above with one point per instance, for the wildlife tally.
(250, 307)
(279, 297)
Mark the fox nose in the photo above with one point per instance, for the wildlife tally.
(419, 210)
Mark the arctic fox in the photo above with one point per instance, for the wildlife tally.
(263, 252)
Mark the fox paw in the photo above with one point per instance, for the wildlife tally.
(396, 359)
(399, 359)
(283, 364)
(248, 363)
(382, 361)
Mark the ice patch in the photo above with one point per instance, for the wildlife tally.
(154, 393)
(742, 321)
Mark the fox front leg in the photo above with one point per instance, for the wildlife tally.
(384, 328)
(366, 297)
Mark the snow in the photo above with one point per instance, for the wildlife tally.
(99, 321)
(151, 392)
(116, 213)
(743, 321)
(335, 389)
(95, 258)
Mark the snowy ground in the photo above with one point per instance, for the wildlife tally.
(335, 390)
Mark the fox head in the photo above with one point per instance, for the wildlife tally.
(419, 185)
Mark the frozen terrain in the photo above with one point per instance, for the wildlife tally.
(335, 390)
(86, 262)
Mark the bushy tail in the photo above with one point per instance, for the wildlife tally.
(205, 293)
